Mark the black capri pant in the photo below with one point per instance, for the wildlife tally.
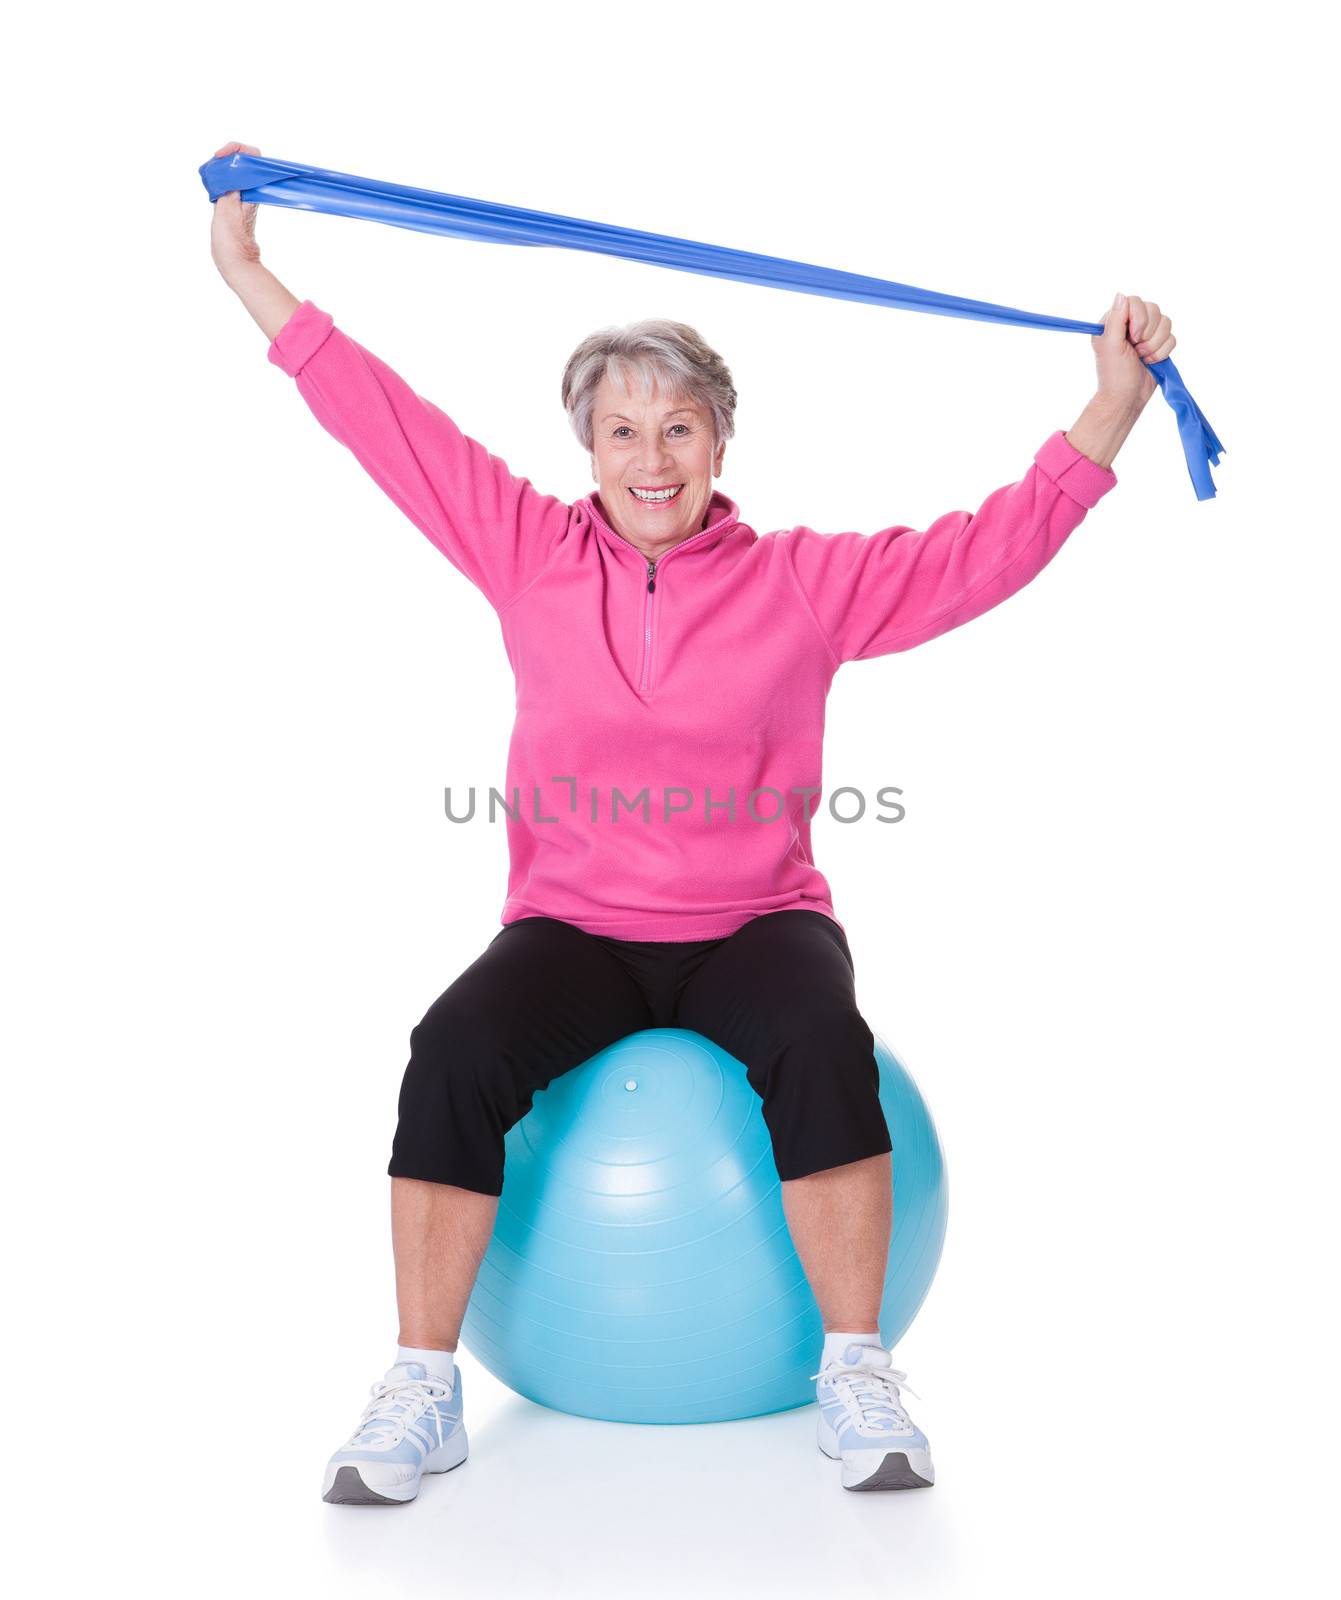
(545, 996)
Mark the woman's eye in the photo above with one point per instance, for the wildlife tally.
(683, 425)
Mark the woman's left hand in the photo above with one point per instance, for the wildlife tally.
(1136, 332)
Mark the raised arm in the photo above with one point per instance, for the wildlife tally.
(494, 527)
(238, 257)
(872, 594)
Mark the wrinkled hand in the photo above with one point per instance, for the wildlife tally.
(233, 229)
(1136, 333)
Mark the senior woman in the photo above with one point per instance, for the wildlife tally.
(671, 666)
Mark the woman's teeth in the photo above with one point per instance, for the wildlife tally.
(656, 496)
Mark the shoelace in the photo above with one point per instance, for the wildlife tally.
(874, 1392)
(395, 1409)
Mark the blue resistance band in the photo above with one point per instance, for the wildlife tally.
(290, 183)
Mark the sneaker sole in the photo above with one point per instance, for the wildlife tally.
(894, 1472)
(347, 1488)
(877, 1469)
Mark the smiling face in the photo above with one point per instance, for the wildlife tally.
(663, 442)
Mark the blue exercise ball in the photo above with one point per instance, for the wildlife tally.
(640, 1267)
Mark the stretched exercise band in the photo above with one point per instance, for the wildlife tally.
(289, 183)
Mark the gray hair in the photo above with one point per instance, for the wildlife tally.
(672, 353)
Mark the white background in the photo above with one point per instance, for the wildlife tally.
(237, 681)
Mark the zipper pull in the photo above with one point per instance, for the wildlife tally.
(651, 576)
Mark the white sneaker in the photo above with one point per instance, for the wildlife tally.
(412, 1425)
(862, 1423)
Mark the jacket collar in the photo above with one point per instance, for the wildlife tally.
(722, 517)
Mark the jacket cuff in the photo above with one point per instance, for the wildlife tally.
(300, 338)
(1084, 480)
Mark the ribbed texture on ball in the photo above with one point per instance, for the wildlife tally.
(640, 1268)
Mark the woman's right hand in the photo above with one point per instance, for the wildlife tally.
(233, 230)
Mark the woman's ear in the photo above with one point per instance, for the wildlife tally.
(717, 464)
(595, 473)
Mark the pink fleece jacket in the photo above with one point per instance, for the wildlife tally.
(665, 760)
